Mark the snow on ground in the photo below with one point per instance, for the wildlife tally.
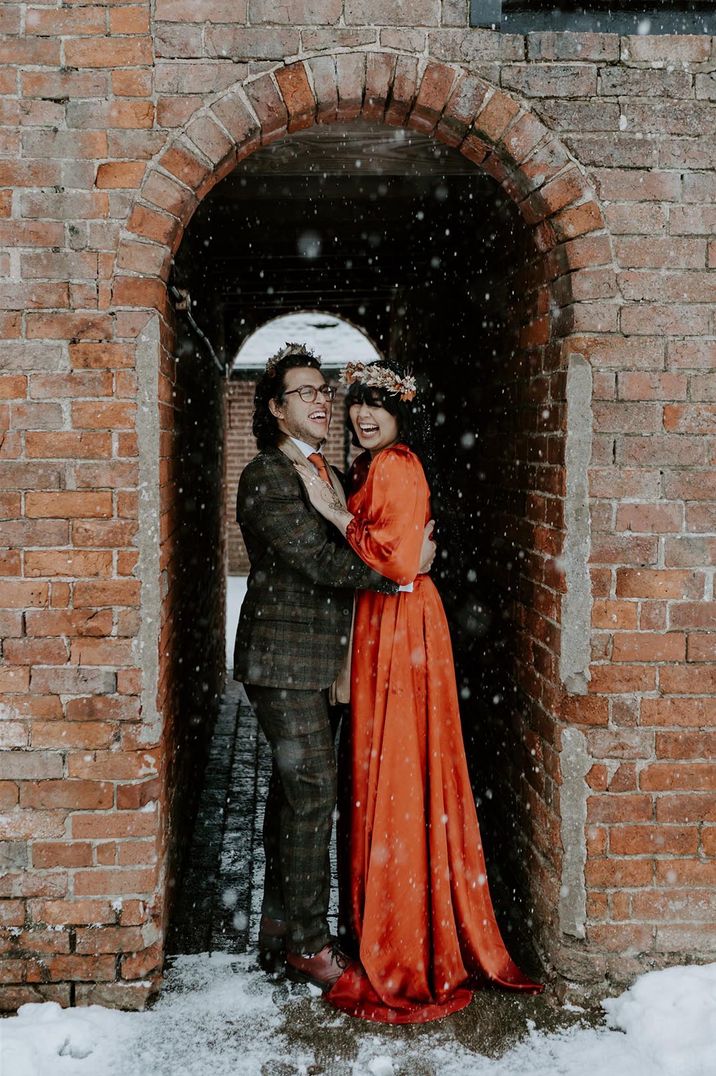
(235, 592)
(217, 1016)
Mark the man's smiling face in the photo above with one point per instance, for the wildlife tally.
(306, 421)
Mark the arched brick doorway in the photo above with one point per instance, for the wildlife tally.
(494, 132)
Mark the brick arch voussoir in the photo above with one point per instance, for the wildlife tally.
(494, 130)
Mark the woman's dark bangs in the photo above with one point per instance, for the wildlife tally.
(365, 394)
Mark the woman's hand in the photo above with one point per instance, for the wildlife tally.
(325, 499)
(428, 549)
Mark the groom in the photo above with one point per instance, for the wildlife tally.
(292, 652)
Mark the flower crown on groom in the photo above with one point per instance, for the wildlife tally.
(375, 376)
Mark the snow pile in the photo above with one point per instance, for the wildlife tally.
(214, 1017)
(670, 1017)
(48, 1039)
(219, 1016)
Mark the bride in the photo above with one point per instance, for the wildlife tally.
(419, 904)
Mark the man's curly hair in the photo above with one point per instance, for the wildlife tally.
(271, 385)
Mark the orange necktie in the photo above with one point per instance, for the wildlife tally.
(321, 466)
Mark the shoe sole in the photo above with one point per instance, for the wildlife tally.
(296, 976)
(271, 962)
(272, 954)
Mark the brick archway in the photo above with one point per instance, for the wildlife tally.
(488, 126)
(498, 134)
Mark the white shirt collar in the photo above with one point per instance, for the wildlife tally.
(307, 449)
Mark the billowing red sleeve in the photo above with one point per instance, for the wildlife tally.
(387, 531)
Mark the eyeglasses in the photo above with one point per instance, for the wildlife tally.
(309, 393)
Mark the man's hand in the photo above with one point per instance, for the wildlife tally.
(428, 549)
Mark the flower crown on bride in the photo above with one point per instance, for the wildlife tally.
(380, 377)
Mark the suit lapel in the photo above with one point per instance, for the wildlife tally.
(298, 459)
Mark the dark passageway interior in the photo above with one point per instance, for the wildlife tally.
(424, 251)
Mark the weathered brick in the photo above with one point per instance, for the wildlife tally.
(644, 386)
(620, 679)
(209, 137)
(33, 824)
(350, 83)
(644, 583)
(129, 114)
(59, 445)
(109, 940)
(694, 615)
(89, 651)
(403, 90)
(555, 80)
(21, 594)
(35, 652)
(435, 89)
(392, 12)
(250, 43)
(692, 220)
(99, 707)
(687, 48)
(577, 220)
(689, 553)
(101, 356)
(617, 873)
(30, 765)
(119, 52)
(118, 881)
(123, 175)
(619, 808)
(99, 415)
(113, 765)
(73, 795)
(113, 824)
(68, 504)
(72, 681)
(646, 646)
(667, 449)
(650, 518)
(86, 734)
(573, 46)
(298, 96)
(665, 776)
(140, 965)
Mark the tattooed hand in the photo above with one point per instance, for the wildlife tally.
(324, 498)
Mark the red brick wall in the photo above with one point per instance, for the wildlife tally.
(113, 126)
(240, 448)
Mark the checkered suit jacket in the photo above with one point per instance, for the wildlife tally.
(295, 620)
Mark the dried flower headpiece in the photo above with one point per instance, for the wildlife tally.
(381, 377)
(287, 351)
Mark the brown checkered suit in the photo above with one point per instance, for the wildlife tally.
(292, 637)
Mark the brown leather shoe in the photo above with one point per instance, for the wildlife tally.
(323, 969)
(272, 944)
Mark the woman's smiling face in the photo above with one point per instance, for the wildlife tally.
(374, 427)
